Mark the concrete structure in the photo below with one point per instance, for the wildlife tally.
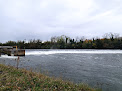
(11, 51)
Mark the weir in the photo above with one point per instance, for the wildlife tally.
(11, 51)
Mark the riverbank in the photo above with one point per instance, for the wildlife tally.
(21, 79)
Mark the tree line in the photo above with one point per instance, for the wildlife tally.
(109, 41)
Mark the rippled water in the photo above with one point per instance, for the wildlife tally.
(98, 68)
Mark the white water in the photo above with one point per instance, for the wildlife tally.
(49, 52)
(42, 52)
(9, 57)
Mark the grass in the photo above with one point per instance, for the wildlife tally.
(12, 79)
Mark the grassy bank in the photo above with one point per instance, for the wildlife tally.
(21, 80)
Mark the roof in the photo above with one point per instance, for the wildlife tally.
(9, 47)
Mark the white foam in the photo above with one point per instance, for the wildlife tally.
(73, 52)
(9, 57)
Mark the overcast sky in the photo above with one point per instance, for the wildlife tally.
(42, 19)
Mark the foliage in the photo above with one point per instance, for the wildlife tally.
(109, 41)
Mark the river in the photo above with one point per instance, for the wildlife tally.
(97, 68)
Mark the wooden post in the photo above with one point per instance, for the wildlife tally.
(16, 47)
(17, 62)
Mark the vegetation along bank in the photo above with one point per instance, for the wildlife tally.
(108, 41)
(20, 79)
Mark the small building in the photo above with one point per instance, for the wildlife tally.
(11, 50)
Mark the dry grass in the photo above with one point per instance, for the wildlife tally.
(12, 79)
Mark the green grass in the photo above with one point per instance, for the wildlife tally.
(12, 79)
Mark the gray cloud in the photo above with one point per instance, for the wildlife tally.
(28, 19)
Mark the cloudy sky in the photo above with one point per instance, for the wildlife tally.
(42, 19)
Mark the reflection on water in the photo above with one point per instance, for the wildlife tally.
(98, 68)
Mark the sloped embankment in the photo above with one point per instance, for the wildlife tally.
(21, 80)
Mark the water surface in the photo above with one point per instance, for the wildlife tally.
(98, 68)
